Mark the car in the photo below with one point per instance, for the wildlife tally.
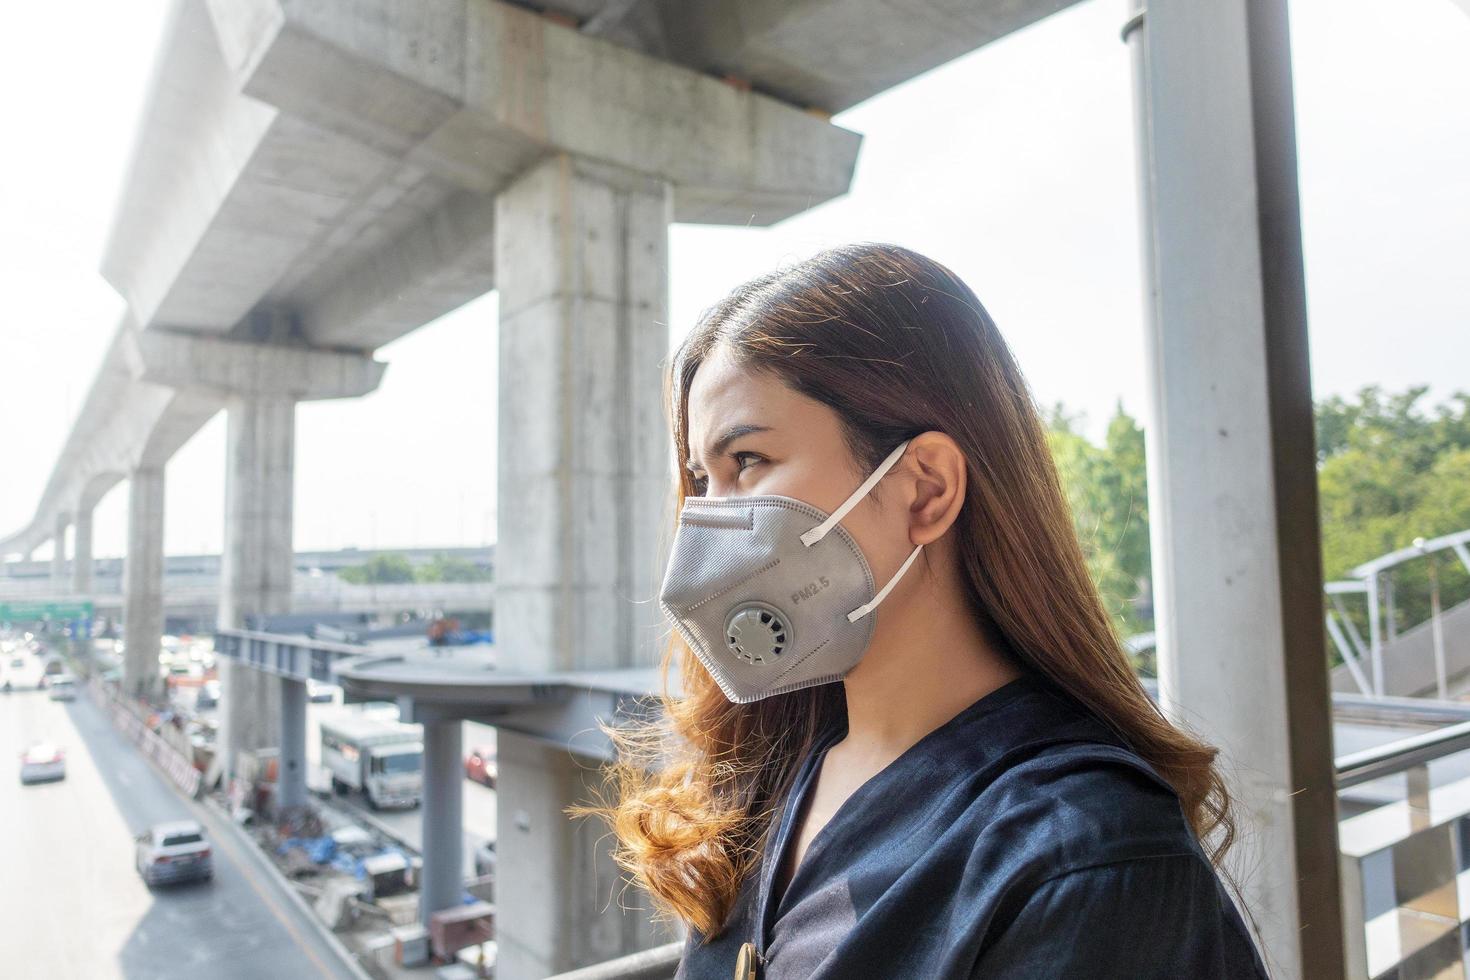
(43, 762)
(63, 687)
(208, 695)
(485, 859)
(172, 852)
(320, 693)
(479, 765)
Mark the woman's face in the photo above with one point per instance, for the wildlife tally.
(751, 434)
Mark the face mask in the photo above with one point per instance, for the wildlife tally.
(771, 594)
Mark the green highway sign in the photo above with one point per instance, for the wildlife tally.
(19, 612)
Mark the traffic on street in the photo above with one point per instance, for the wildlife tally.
(86, 896)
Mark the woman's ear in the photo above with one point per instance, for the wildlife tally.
(936, 464)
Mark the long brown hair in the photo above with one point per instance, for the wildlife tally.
(896, 344)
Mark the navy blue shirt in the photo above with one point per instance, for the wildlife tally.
(1021, 838)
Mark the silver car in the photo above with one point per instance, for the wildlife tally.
(42, 763)
(170, 852)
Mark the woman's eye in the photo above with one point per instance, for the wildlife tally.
(744, 461)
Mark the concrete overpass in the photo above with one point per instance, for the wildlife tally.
(191, 585)
(307, 596)
(315, 178)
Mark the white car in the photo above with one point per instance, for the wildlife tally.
(320, 693)
(63, 687)
(169, 852)
(42, 763)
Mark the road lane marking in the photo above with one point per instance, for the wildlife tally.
(257, 886)
(209, 818)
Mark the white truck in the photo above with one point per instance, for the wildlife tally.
(383, 759)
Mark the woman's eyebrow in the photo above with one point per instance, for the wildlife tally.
(729, 436)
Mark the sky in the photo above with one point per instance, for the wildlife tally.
(1014, 165)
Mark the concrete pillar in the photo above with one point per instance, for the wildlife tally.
(143, 584)
(581, 255)
(58, 552)
(1232, 480)
(443, 825)
(256, 566)
(292, 779)
(571, 908)
(81, 567)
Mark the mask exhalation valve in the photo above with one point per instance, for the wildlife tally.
(757, 633)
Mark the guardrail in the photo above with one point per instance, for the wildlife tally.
(285, 655)
(658, 963)
(1406, 865)
(126, 717)
(1405, 868)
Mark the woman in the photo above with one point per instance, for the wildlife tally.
(908, 742)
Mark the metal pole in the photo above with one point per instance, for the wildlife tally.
(1161, 557)
(1464, 554)
(1390, 611)
(1375, 644)
(1437, 629)
(1230, 413)
(443, 833)
(292, 777)
(1344, 648)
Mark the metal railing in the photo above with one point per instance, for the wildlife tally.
(1405, 865)
(1406, 887)
(658, 963)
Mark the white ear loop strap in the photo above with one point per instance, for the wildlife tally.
(872, 604)
(820, 531)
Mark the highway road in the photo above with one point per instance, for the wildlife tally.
(407, 825)
(71, 904)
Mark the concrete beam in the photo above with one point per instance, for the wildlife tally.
(475, 92)
(583, 453)
(60, 523)
(225, 368)
(572, 906)
(195, 139)
(1232, 476)
(834, 54)
(256, 565)
(81, 563)
(124, 424)
(143, 584)
(435, 265)
(583, 468)
(226, 197)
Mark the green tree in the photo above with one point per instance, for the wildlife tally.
(1107, 489)
(1388, 472)
(443, 568)
(379, 570)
